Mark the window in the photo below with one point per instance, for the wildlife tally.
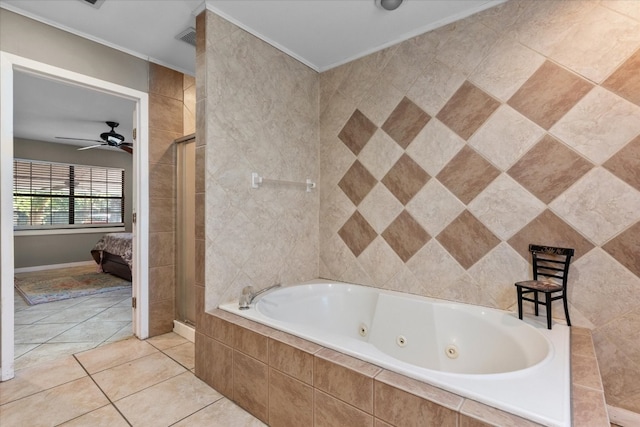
(58, 195)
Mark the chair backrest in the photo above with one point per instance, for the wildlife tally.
(551, 262)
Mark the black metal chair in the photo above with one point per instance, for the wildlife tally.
(553, 264)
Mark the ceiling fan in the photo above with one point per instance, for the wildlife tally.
(111, 138)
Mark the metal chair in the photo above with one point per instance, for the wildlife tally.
(550, 271)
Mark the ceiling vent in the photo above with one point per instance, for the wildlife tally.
(188, 36)
(93, 3)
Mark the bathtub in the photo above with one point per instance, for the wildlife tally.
(479, 353)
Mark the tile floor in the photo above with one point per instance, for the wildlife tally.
(47, 331)
(125, 383)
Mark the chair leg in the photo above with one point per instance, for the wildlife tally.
(548, 299)
(519, 303)
(566, 308)
(535, 297)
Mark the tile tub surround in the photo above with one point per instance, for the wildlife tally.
(282, 379)
(519, 124)
(495, 175)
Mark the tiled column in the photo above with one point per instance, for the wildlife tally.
(165, 125)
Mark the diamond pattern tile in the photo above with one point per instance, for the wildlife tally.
(549, 94)
(435, 146)
(505, 207)
(467, 239)
(597, 44)
(599, 205)
(357, 182)
(625, 248)
(405, 236)
(435, 86)
(434, 207)
(405, 179)
(625, 81)
(506, 124)
(467, 110)
(405, 122)
(612, 289)
(357, 131)
(548, 229)
(467, 174)
(624, 164)
(599, 125)
(380, 154)
(357, 234)
(548, 169)
(380, 207)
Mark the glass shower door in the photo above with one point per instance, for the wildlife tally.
(185, 229)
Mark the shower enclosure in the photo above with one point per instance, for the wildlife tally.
(185, 229)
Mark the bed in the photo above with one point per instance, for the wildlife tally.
(112, 253)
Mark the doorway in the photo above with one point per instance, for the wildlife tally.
(9, 64)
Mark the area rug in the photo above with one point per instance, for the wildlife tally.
(39, 290)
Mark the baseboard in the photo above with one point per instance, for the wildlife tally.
(623, 417)
(52, 266)
(184, 330)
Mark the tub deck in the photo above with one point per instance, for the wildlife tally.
(283, 379)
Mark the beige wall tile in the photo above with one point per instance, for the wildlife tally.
(346, 378)
(290, 401)
(251, 343)
(251, 385)
(214, 363)
(333, 412)
(161, 316)
(287, 357)
(477, 414)
(398, 407)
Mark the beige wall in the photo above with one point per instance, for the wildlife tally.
(444, 156)
(257, 111)
(31, 39)
(169, 92)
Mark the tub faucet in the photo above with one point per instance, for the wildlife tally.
(248, 295)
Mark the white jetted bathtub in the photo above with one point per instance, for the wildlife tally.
(480, 353)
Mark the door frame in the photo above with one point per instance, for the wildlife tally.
(10, 63)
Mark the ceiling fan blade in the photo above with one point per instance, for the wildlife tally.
(91, 146)
(126, 148)
(127, 144)
(78, 139)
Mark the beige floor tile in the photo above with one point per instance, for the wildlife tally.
(223, 413)
(53, 406)
(107, 416)
(124, 333)
(40, 333)
(164, 341)
(73, 314)
(167, 402)
(114, 354)
(20, 349)
(48, 352)
(91, 330)
(40, 377)
(116, 313)
(139, 374)
(29, 316)
(184, 354)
